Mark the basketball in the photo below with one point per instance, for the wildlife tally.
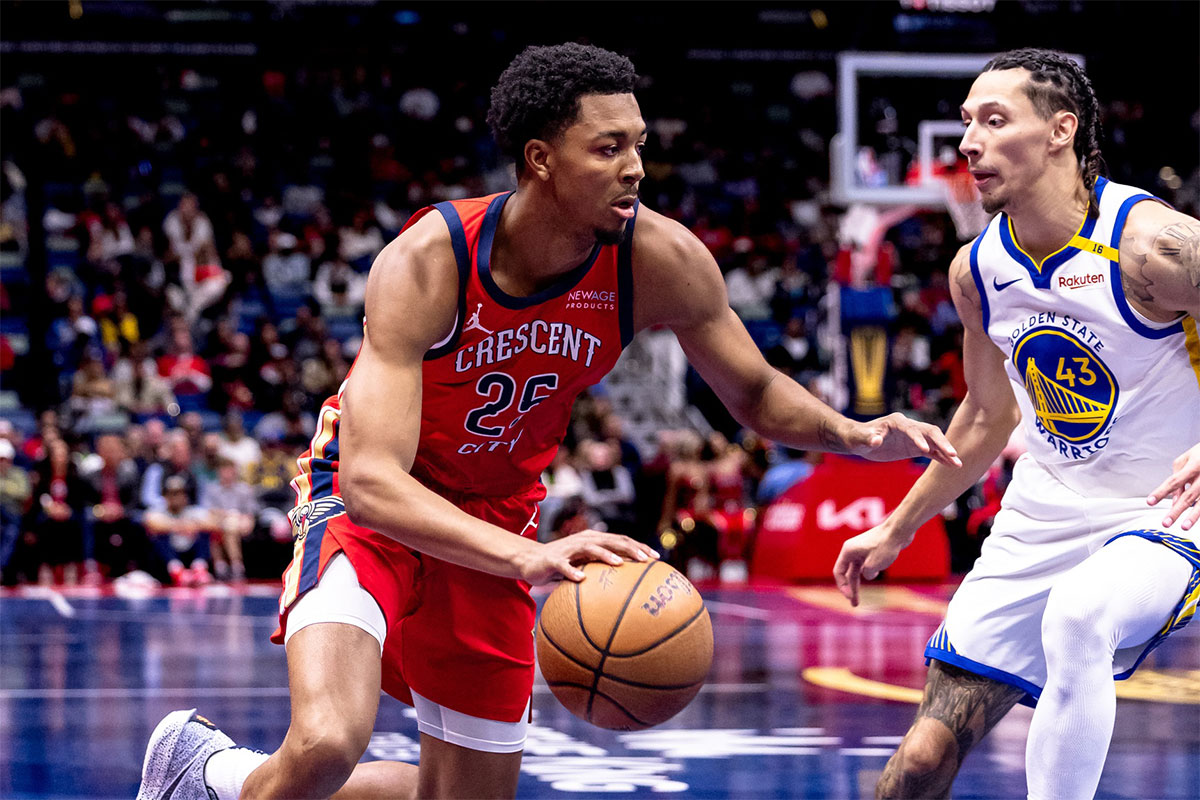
(626, 648)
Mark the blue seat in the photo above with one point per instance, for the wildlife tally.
(344, 328)
(22, 419)
(765, 333)
(14, 323)
(192, 402)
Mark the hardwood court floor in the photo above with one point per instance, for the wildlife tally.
(807, 698)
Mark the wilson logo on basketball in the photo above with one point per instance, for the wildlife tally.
(666, 590)
(1080, 281)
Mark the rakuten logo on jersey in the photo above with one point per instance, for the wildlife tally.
(1080, 281)
(863, 513)
(592, 299)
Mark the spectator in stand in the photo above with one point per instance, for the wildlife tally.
(187, 373)
(322, 376)
(137, 386)
(291, 422)
(143, 441)
(612, 430)
(201, 286)
(174, 460)
(70, 336)
(230, 364)
(751, 284)
(205, 459)
(360, 241)
(562, 483)
(15, 492)
(9, 433)
(93, 393)
(236, 445)
(339, 289)
(118, 537)
(35, 447)
(119, 328)
(188, 231)
(110, 239)
(728, 468)
(796, 354)
(278, 373)
(286, 269)
(58, 514)
(716, 236)
(607, 486)
(684, 526)
(304, 334)
(179, 533)
(271, 481)
(233, 510)
(192, 423)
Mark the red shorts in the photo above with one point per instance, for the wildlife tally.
(459, 637)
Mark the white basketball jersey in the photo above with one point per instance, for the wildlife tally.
(1109, 398)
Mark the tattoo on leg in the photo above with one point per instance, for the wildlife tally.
(968, 706)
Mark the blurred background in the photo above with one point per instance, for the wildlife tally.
(193, 194)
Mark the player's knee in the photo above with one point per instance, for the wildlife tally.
(924, 765)
(1071, 624)
(328, 750)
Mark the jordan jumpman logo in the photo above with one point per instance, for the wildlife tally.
(473, 321)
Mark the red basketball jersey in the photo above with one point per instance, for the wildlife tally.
(498, 391)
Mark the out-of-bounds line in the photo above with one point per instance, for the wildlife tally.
(126, 693)
(55, 599)
(736, 610)
(116, 693)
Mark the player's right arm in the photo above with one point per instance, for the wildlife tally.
(979, 431)
(412, 298)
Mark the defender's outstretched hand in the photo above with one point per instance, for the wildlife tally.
(864, 557)
(561, 557)
(1184, 488)
(896, 436)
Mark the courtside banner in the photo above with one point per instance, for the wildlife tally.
(801, 532)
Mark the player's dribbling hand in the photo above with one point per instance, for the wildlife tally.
(563, 556)
(1183, 487)
(863, 557)
(896, 436)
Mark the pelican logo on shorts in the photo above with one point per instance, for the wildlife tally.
(306, 515)
(1073, 392)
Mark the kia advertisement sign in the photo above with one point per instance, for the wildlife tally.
(802, 530)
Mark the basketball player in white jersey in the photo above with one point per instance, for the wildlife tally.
(1079, 303)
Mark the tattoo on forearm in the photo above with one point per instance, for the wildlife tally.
(830, 441)
(1180, 243)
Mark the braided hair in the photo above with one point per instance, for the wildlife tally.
(1057, 83)
(537, 96)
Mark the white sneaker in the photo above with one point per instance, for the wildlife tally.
(179, 748)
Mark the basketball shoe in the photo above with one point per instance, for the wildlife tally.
(179, 748)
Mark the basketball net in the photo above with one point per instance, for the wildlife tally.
(964, 204)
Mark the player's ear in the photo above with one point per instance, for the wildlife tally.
(1066, 125)
(537, 158)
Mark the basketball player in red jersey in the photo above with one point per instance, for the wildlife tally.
(485, 319)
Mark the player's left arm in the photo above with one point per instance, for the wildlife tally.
(677, 283)
(1160, 268)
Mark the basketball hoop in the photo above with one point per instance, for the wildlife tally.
(964, 204)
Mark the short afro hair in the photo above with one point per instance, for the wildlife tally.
(537, 96)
